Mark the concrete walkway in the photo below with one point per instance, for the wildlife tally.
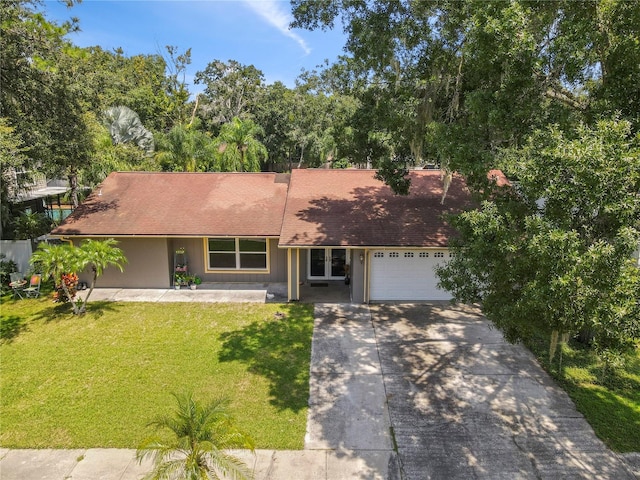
(248, 292)
(402, 392)
(207, 293)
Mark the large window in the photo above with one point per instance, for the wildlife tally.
(237, 253)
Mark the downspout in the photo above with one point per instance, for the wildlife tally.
(367, 276)
(298, 275)
(289, 280)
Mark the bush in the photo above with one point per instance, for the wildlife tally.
(7, 267)
(71, 283)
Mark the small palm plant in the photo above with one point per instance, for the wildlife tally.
(196, 451)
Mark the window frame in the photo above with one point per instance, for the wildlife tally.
(237, 255)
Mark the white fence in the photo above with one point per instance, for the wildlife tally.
(19, 251)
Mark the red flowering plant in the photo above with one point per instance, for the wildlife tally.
(66, 290)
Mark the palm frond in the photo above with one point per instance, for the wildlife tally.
(201, 434)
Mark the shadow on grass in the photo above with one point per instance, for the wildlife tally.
(61, 311)
(99, 307)
(10, 327)
(279, 349)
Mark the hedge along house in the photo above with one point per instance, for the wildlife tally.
(307, 227)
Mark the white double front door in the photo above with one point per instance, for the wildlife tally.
(326, 263)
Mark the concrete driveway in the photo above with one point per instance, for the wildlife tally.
(432, 391)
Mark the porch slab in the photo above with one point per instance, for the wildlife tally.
(207, 293)
(215, 296)
(328, 292)
(325, 292)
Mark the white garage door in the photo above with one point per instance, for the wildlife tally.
(406, 275)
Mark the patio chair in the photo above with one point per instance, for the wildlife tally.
(33, 290)
(17, 284)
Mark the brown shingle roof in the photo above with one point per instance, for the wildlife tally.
(182, 204)
(352, 208)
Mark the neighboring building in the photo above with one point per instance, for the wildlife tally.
(299, 228)
(38, 194)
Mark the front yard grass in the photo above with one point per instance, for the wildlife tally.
(97, 380)
(609, 401)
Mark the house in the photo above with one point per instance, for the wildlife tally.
(32, 192)
(300, 228)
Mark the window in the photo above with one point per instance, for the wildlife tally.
(394, 254)
(237, 253)
(378, 255)
(424, 254)
(408, 254)
(439, 254)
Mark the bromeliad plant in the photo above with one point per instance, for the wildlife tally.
(62, 262)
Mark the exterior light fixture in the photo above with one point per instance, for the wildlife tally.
(361, 257)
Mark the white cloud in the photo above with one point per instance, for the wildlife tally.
(274, 13)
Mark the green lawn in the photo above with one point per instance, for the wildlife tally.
(611, 403)
(99, 379)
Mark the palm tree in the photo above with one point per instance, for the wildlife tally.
(183, 149)
(238, 148)
(55, 261)
(99, 255)
(200, 434)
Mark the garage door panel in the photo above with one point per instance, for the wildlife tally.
(406, 275)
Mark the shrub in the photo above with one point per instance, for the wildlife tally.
(71, 283)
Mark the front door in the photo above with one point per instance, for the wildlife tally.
(327, 263)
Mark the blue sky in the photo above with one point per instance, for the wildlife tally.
(252, 32)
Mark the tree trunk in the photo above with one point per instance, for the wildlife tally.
(83, 308)
(73, 186)
(76, 310)
(195, 108)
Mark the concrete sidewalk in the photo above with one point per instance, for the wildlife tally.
(120, 464)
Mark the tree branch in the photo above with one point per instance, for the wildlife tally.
(565, 97)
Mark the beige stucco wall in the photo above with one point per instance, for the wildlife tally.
(357, 276)
(150, 264)
(304, 254)
(293, 284)
(147, 265)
